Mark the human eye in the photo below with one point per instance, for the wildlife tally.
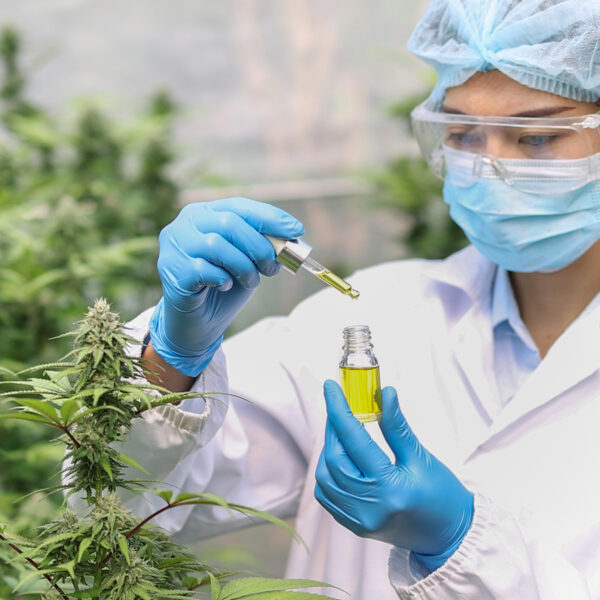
(465, 138)
(540, 143)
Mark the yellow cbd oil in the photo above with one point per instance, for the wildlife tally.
(338, 283)
(359, 374)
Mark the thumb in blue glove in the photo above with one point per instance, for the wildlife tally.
(417, 503)
(209, 263)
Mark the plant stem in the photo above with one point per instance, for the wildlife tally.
(139, 526)
(33, 563)
(70, 435)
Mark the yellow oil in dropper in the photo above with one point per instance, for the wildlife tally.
(330, 278)
(293, 254)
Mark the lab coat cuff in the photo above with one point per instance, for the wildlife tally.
(196, 419)
(411, 582)
(202, 415)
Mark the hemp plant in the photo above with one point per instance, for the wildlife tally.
(105, 552)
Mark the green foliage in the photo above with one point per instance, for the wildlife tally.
(81, 205)
(106, 552)
(409, 186)
(82, 199)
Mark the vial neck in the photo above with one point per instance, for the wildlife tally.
(357, 338)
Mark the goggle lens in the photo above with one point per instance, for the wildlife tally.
(531, 154)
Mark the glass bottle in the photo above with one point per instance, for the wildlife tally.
(359, 374)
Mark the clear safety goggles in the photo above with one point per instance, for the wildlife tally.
(533, 155)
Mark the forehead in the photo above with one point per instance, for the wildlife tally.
(494, 93)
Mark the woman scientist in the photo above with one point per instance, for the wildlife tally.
(493, 490)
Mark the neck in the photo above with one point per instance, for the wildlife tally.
(550, 302)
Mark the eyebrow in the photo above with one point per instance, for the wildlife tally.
(536, 112)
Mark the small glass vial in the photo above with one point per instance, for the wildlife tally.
(359, 374)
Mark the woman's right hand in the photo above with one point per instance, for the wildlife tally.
(209, 262)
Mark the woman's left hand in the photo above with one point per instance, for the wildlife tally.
(416, 503)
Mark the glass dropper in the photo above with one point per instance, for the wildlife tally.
(293, 254)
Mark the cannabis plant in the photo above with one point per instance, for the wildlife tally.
(83, 196)
(105, 552)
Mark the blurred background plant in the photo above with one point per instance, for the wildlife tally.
(409, 187)
(81, 205)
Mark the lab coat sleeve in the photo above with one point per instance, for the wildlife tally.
(217, 443)
(496, 560)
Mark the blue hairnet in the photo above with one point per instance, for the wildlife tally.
(549, 45)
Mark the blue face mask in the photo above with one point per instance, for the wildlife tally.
(526, 232)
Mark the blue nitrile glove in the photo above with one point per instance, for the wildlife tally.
(209, 263)
(417, 503)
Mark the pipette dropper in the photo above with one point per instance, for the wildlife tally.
(293, 254)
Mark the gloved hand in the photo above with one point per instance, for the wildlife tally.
(417, 503)
(209, 263)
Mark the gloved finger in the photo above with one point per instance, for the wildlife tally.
(219, 251)
(217, 263)
(395, 429)
(263, 217)
(344, 483)
(203, 220)
(343, 506)
(343, 518)
(361, 449)
(339, 465)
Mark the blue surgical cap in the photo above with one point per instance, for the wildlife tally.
(549, 45)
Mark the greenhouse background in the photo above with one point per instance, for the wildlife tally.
(115, 114)
(290, 97)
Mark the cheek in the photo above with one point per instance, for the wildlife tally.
(594, 141)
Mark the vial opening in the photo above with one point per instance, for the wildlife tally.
(357, 336)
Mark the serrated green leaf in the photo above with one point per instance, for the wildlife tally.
(68, 409)
(40, 407)
(215, 587)
(97, 355)
(98, 393)
(142, 593)
(69, 568)
(27, 417)
(32, 575)
(283, 596)
(190, 496)
(91, 593)
(55, 539)
(166, 495)
(270, 518)
(249, 586)
(124, 547)
(83, 546)
(131, 462)
(106, 466)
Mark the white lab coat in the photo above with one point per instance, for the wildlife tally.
(533, 465)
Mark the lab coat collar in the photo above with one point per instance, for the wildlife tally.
(469, 323)
(571, 360)
(466, 270)
(574, 357)
(505, 308)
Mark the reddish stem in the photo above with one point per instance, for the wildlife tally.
(66, 430)
(138, 527)
(155, 514)
(33, 563)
